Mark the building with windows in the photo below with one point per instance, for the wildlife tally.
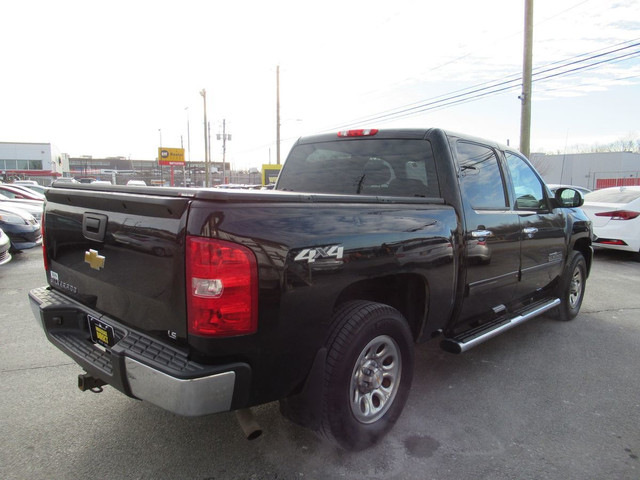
(27, 160)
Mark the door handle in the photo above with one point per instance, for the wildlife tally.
(530, 231)
(94, 226)
(481, 233)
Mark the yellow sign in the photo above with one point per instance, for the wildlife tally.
(170, 156)
(270, 174)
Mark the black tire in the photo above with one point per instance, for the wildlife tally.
(571, 287)
(368, 374)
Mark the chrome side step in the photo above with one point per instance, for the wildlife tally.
(471, 338)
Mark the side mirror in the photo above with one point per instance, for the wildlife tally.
(569, 198)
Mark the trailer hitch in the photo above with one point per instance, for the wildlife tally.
(87, 382)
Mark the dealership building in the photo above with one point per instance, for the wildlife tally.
(590, 170)
(28, 160)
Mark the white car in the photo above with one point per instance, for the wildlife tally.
(615, 214)
(5, 246)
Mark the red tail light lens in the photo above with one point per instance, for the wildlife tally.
(362, 132)
(619, 214)
(44, 248)
(609, 241)
(222, 288)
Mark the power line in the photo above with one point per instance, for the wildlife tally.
(467, 99)
(490, 83)
(493, 87)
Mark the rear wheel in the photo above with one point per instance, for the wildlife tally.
(571, 287)
(368, 374)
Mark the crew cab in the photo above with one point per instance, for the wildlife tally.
(313, 294)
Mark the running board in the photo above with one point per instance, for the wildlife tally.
(476, 336)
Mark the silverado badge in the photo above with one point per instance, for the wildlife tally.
(94, 260)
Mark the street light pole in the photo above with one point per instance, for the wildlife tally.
(224, 137)
(188, 136)
(159, 164)
(278, 114)
(184, 169)
(203, 92)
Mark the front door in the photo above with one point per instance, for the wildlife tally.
(543, 247)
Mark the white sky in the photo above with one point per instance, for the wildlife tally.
(106, 78)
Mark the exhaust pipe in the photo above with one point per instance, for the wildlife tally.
(248, 423)
(87, 382)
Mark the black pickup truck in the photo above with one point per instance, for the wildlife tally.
(314, 294)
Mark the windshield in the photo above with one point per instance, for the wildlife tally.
(362, 167)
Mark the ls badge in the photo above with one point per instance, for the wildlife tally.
(94, 260)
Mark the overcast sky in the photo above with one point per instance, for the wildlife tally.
(112, 78)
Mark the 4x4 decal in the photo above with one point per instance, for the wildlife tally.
(310, 255)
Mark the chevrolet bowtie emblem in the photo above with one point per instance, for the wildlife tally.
(94, 260)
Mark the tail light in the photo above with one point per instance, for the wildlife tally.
(44, 248)
(619, 214)
(222, 283)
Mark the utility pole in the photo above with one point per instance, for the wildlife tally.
(209, 139)
(184, 169)
(525, 98)
(224, 137)
(203, 92)
(278, 114)
(161, 169)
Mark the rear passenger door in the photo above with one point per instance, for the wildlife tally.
(492, 235)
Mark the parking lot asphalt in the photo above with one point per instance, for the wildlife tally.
(546, 400)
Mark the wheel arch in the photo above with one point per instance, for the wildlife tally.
(583, 245)
(406, 292)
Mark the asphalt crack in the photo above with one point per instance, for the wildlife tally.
(42, 367)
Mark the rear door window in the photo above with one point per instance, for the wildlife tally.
(480, 176)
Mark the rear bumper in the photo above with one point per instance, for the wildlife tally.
(138, 365)
(617, 243)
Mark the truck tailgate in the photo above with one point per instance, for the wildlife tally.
(121, 254)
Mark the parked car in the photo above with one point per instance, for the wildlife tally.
(615, 214)
(21, 227)
(65, 180)
(139, 183)
(26, 189)
(31, 206)
(554, 187)
(11, 191)
(34, 188)
(25, 182)
(5, 245)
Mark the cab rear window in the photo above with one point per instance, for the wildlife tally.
(387, 167)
